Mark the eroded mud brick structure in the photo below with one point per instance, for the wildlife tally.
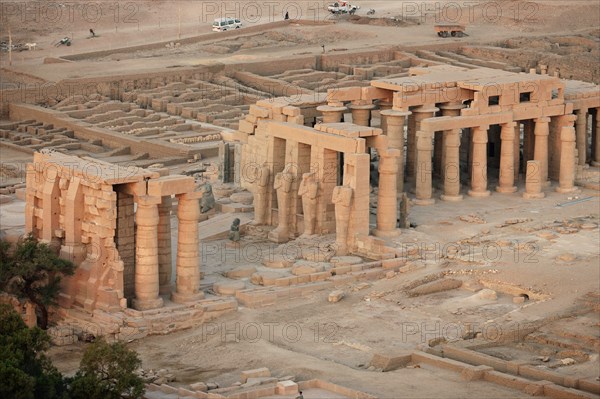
(87, 208)
(452, 121)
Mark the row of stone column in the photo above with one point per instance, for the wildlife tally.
(581, 130)
(153, 259)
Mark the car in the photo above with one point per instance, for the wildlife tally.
(223, 24)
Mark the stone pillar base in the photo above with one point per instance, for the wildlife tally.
(186, 298)
(485, 193)
(506, 189)
(424, 202)
(147, 304)
(567, 190)
(533, 195)
(278, 236)
(451, 198)
(387, 234)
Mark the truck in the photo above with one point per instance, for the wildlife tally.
(342, 7)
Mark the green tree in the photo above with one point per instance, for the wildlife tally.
(25, 371)
(33, 270)
(107, 371)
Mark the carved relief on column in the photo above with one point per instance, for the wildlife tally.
(146, 254)
(387, 203)
(479, 141)
(541, 132)
(424, 188)
(187, 279)
(309, 191)
(283, 185)
(342, 198)
(506, 179)
(566, 183)
(451, 166)
(261, 195)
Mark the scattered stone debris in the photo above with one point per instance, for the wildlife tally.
(335, 296)
(472, 218)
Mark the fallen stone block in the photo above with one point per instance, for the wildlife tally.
(255, 373)
(335, 296)
(388, 362)
(287, 388)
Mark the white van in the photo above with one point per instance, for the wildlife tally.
(223, 24)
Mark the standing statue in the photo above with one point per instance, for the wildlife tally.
(208, 199)
(283, 185)
(234, 230)
(261, 198)
(309, 190)
(342, 198)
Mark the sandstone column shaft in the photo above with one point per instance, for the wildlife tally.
(188, 250)
(542, 131)
(479, 139)
(395, 131)
(506, 180)
(581, 131)
(451, 166)
(439, 150)
(387, 203)
(146, 255)
(566, 183)
(533, 181)
(423, 188)
(420, 113)
(517, 151)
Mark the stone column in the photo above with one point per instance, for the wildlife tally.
(187, 283)
(479, 139)
(361, 112)
(533, 182)
(541, 132)
(439, 151)
(165, 265)
(506, 180)
(596, 136)
(387, 200)
(332, 113)
(566, 183)
(395, 132)
(451, 166)
(420, 113)
(423, 188)
(146, 254)
(581, 132)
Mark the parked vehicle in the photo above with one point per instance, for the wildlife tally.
(223, 24)
(342, 7)
(454, 30)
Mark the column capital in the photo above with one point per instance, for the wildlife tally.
(544, 119)
(361, 106)
(425, 108)
(194, 195)
(393, 113)
(331, 108)
(147, 200)
(452, 138)
(479, 134)
(451, 105)
(508, 125)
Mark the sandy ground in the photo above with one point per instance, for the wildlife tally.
(310, 337)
